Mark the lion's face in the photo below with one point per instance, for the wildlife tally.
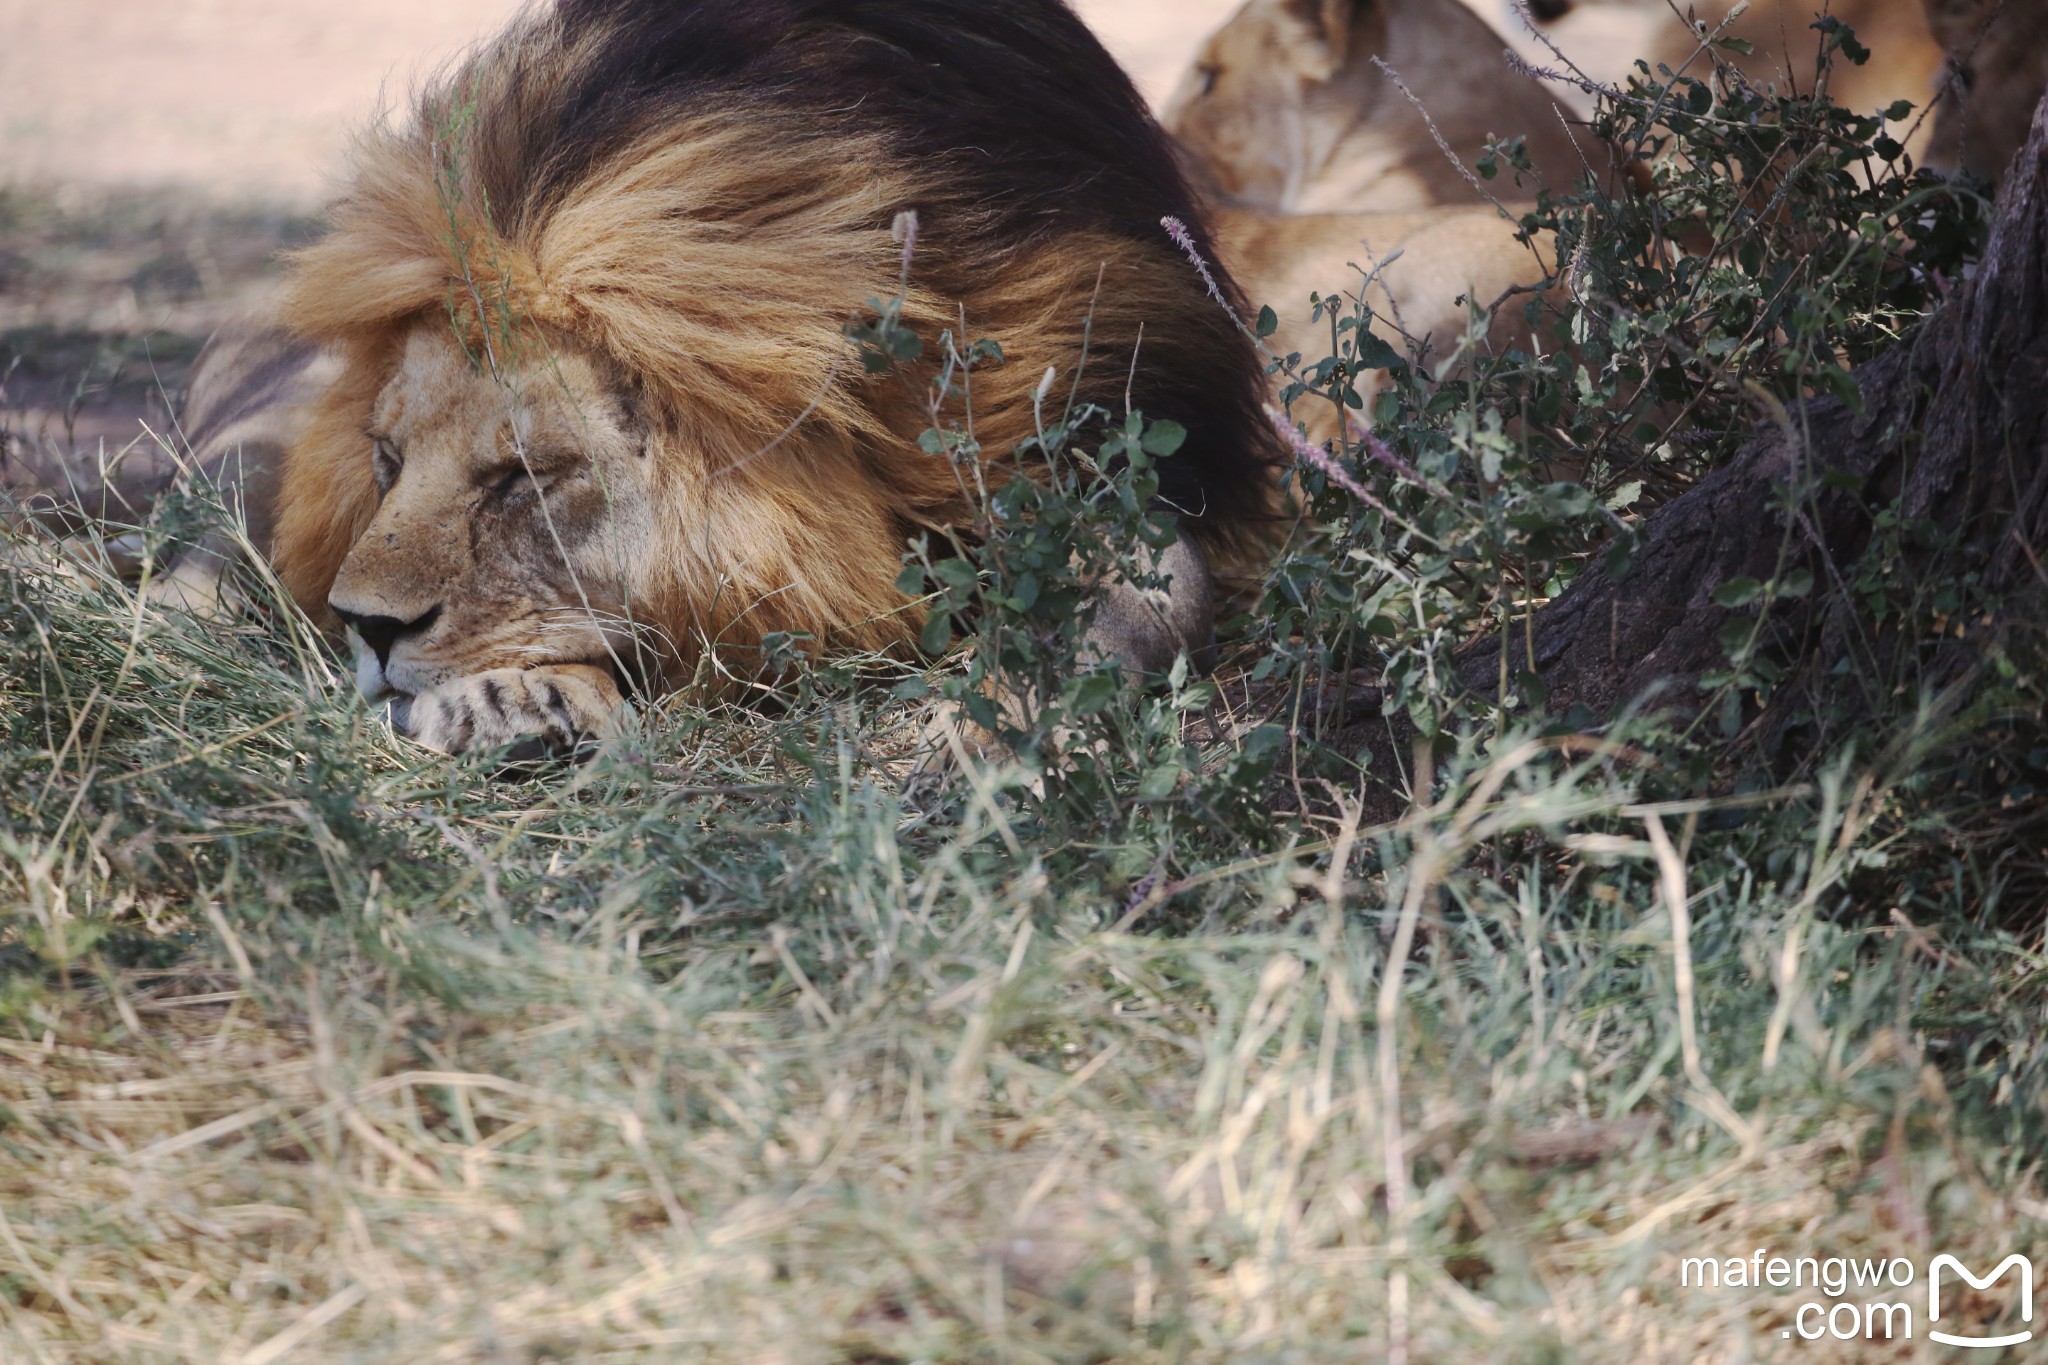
(514, 521)
(1289, 107)
(1244, 112)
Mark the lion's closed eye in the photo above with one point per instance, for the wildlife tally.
(537, 470)
(386, 464)
(503, 483)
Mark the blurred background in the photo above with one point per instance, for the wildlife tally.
(251, 99)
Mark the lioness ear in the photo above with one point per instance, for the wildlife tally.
(1329, 33)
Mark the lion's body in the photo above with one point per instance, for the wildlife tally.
(1605, 38)
(590, 307)
(1286, 108)
(255, 388)
(1328, 181)
(1420, 272)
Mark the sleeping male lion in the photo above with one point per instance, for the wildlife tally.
(588, 307)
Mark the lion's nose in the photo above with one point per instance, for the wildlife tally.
(380, 633)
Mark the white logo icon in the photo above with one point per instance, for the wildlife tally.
(2026, 1269)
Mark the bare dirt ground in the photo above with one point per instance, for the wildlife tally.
(251, 99)
(155, 154)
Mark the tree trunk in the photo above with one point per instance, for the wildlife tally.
(1951, 437)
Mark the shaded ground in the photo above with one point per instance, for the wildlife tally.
(102, 310)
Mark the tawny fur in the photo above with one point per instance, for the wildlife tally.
(686, 296)
(1286, 108)
(1605, 38)
(1420, 272)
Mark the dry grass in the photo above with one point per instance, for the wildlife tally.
(314, 1046)
(318, 1048)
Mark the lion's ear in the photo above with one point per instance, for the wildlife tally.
(1328, 33)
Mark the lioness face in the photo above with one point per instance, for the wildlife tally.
(513, 524)
(1241, 111)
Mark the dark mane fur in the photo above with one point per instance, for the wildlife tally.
(1019, 122)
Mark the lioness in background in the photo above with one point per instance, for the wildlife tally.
(595, 401)
(1286, 111)
(1605, 38)
(1285, 108)
(1420, 272)
(1316, 163)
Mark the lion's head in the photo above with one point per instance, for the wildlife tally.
(599, 413)
(1286, 109)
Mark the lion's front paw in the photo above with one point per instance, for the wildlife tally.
(541, 711)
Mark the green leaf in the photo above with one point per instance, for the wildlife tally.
(1158, 784)
(938, 633)
(1163, 437)
(1750, 256)
(1094, 693)
(954, 573)
(1374, 353)
(1738, 592)
(1731, 714)
(1269, 322)
(1736, 633)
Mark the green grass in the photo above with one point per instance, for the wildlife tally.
(317, 1046)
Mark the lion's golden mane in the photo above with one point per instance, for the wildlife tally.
(703, 194)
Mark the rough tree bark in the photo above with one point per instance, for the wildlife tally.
(1953, 431)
